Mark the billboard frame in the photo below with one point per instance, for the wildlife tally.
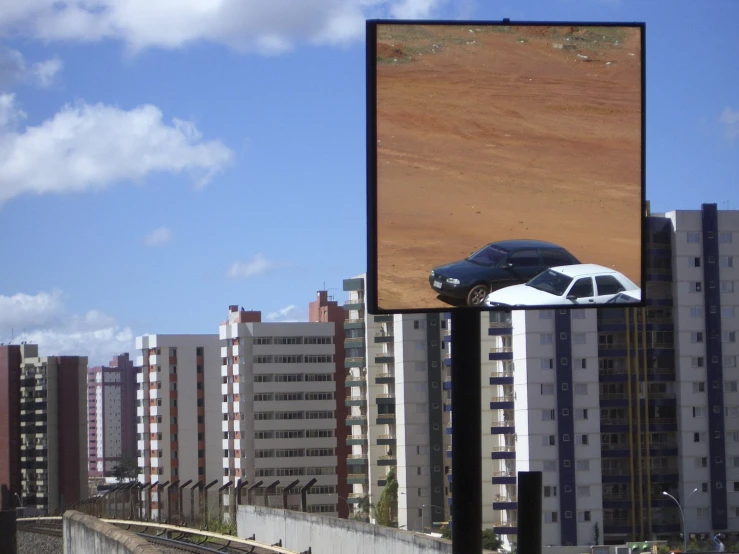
(372, 281)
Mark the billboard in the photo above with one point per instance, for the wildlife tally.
(505, 165)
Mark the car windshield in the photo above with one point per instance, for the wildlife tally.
(550, 281)
(488, 255)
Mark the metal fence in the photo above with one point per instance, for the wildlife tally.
(195, 504)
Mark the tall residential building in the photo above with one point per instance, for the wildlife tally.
(111, 408)
(10, 427)
(53, 419)
(621, 408)
(394, 381)
(178, 400)
(279, 422)
(327, 310)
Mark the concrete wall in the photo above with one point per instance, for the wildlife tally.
(83, 533)
(330, 535)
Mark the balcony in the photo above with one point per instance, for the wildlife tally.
(355, 381)
(353, 324)
(387, 460)
(355, 342)
(355, 401)
(385, 359)
(385, 398)
(356, 459)
(357, 479)
(501, 373)
(354, 304)
(354, 362)
(356, 440)
(385, 419)
(501, 353)
(385, 378)
(355, 497)
(386, 440)
(502, 423)
(504, 398)
(384, 337)
(356, 420)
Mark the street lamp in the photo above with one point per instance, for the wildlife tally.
(431, 526)
(682, 516)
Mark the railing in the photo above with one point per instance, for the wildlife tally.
(614, 446)
(661, 345)
(354, 321)
(612, 371)
(503, 498)
(386, 395)
(620, 521)
(385, 437)
(355, 398)
(659, 270)
(616, 496)
(357, 457)
(511, 473)
(661, 394)
(504, 398)
(615, 471)
(505, 523)
(354, 301)
(664, 470)
(356, 437)
(357, 378)
(385, 416)
(385, 375)
(499, 324)
(614, 395)
(502, 423)
(387, 457)
(355, 359)
(356, 495)
(502, 373)
(506, 448)
(361, 417)
(498, 349)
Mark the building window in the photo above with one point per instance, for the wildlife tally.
(582, 465)
(726, 261)
(695, 286)
(699, 411)
(693, 237)
(547, 415)
(581, 413)
(695, 262)
(548, 440)
(547, 389)
(583, 516)
(546, 314)
(696, 312)
(697, 361)
(545, 338)
(701, 513)
(578, 338)
(581, 388)
(728, 336)
(550, 517)
(547, 363)
(582, 440)
(699, 387)
(727, 311)
(696, 336)
(730, 386)
(550, 491)
(549, 465)
(583, 491)
(727, 286)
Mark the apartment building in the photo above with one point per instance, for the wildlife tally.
(279, 405)
(324, 309)
(393, 375)
(178, 409)
(10, 428)
(111, 415)
(53, 430)
(623, 409)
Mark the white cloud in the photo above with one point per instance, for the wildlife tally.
(41, 319)
(266, 26)
(44, 72)
(159, 236)
(283, 314)
(14, 69)
(729, 117)
(256, 266)
(93, 146)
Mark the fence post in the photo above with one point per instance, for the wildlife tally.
(180, 512)
(250, 492)
(304, 494)
(285, 492)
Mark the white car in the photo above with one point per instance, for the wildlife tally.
(568, 285)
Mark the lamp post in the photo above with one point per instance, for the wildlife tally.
(431, 526)
(682, 516)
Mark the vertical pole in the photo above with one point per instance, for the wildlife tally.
(8, 539)
(466, 433)
(530, 491)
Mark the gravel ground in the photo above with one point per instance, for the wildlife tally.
(34, 543)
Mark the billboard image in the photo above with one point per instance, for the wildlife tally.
(505, 165)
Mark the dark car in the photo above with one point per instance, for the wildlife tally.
(496, 265)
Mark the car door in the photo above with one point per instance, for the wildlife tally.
(581, 291)
(607, 287)
(523, 265)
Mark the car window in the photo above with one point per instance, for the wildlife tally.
(583, 288)
(488, 255)
(608, 284)
(524, 258)
(554, 258)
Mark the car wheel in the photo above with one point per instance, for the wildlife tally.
(477, 295)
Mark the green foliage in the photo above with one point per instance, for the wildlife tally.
(127, 469)
(491, 541)
(596, 532)
(215, 525)
(388, 503)
(663, 549)
(446, 533)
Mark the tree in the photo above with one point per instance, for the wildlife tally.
(388, 503)
(597, 533)
(491, 541)
(127, 469)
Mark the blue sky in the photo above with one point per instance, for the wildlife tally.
(158, 164)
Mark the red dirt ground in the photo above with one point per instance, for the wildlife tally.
(491, 135)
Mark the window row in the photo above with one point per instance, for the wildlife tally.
(290, 396)
(293, 340)
(320, 414)
(694, 237)
(293, 377)
(294, 359)
(725, 286)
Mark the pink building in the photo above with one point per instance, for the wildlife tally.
(111, 415)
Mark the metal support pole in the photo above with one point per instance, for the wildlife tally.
(466, 432)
